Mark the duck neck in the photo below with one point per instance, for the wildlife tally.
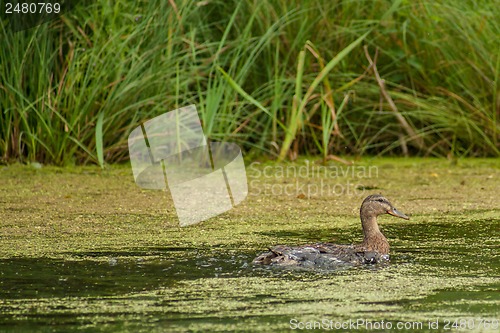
(370, 226)
(373, 240)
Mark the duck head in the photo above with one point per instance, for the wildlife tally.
(376, 204)
(373, 206)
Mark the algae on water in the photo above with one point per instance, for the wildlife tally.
(87, 248)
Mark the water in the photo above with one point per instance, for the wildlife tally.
(450, 274)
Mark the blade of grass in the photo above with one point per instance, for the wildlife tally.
(331, 64)
(99, 140)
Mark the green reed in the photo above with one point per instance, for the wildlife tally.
(280, 78)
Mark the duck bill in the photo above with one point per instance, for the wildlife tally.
(397, 213)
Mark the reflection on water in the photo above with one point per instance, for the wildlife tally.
(451, 272)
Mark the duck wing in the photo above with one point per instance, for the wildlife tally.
(319, 255)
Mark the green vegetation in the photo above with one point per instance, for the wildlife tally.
(85, 249)
(87, 209)
(282, 78)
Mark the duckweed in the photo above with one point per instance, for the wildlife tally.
(84, 248)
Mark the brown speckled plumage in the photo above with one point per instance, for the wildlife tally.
(373, 249)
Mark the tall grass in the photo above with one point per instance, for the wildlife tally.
(280, 78)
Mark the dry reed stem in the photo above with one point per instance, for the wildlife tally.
(402, 121)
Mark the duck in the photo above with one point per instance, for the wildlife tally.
(373, 250)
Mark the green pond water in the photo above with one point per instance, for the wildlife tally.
(71, 262)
